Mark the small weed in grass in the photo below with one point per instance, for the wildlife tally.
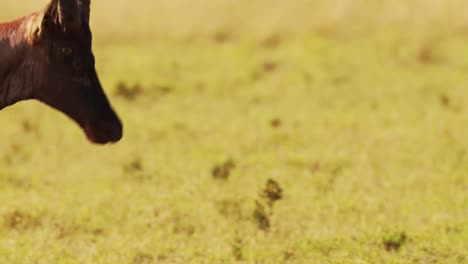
(394, 241)
(272, 41)
(269, 66)
(272, 193)
(237, 248)
(268, 197)
(276, 122)
(223, 171)
(21, 221)
(135, 165)
(445, 100)
(128, 92)
(261, 216)
(230, 209)
(143, 258)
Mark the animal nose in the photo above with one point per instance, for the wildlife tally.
(115, 131)
(104, 131)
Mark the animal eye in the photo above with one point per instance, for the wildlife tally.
(67, 51)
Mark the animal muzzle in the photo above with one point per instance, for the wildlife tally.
(104, 131)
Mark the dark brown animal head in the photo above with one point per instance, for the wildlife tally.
(59, 40)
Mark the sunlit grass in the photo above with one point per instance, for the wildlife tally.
(364, 134)
(120, 19)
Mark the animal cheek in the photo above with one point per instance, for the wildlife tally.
(82, 81)
(86, 82)
(78, 67)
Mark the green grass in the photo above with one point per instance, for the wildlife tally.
(365, 135)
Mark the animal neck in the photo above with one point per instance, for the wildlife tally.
(17, 69)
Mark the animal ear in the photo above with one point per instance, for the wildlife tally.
(62, 13)
(85, 10)
(68, 13)
(49, 16)
(41, 23)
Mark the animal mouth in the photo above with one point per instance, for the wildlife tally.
(104, 132)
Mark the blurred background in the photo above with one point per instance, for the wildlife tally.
(183, 19)
(255, 131)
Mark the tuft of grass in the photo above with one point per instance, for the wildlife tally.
(237, 247)
(264, 206)
(128, 92)
(272, 193)
(355, 109)
(223, 171)
(394, 241)
(143, 258)
(230, 209)
(21, 221)
(135, 166)
(261, 216)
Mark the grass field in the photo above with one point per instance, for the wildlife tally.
(356, 111)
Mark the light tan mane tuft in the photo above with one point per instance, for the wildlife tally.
(33, 26)
(33, 23)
